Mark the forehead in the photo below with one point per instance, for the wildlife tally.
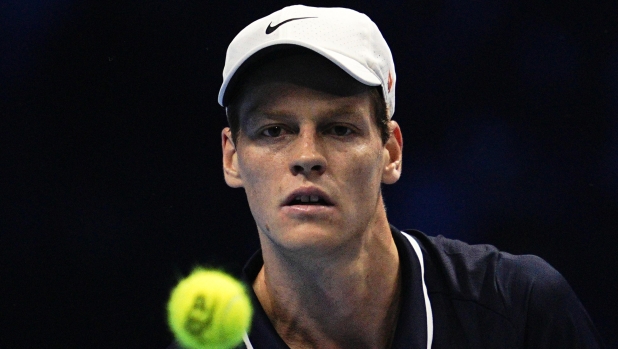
(291, 103)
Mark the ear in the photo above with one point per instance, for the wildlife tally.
(230, 160)
(393, 155)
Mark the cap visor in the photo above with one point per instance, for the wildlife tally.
(349, 65)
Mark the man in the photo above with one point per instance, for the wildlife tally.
(309, 94)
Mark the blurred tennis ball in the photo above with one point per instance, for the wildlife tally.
(209, 310)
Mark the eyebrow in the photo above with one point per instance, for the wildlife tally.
(254, 113)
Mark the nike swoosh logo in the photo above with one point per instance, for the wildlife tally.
(270, 29)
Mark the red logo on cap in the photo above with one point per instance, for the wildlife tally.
(389, 83)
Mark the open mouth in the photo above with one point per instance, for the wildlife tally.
(309, 200)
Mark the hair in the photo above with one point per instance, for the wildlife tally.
(380, 114)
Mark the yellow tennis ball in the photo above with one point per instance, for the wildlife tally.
(209, 310)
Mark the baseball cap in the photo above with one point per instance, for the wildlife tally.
(346, 37)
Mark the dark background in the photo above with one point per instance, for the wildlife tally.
(111, 185)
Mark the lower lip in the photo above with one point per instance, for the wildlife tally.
(307, 210)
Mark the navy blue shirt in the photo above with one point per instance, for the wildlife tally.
(484, 298)
(479, 298)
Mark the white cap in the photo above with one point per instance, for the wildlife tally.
(346, 37)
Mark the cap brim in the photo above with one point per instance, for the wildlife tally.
(349, 65)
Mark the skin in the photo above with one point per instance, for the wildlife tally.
(331, 272)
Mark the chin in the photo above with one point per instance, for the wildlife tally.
(308, 237)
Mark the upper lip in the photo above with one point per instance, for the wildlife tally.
(308, 191)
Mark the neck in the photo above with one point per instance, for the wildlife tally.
(347, 299)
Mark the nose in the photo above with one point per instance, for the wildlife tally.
(308, 158)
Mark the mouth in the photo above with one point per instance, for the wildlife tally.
(308, 200)
(308, 197)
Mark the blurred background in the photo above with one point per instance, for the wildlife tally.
(111, 185)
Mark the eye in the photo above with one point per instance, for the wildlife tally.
(340, 130)
(273, 131)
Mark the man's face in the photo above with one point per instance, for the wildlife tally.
(309, 155)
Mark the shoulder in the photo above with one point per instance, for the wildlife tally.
(523, 295)
(467, 269)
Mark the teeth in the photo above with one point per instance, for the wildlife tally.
(307, 198)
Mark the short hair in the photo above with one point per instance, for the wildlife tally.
(380, 114)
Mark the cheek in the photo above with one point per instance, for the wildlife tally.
(365, 169)
(259, 173)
